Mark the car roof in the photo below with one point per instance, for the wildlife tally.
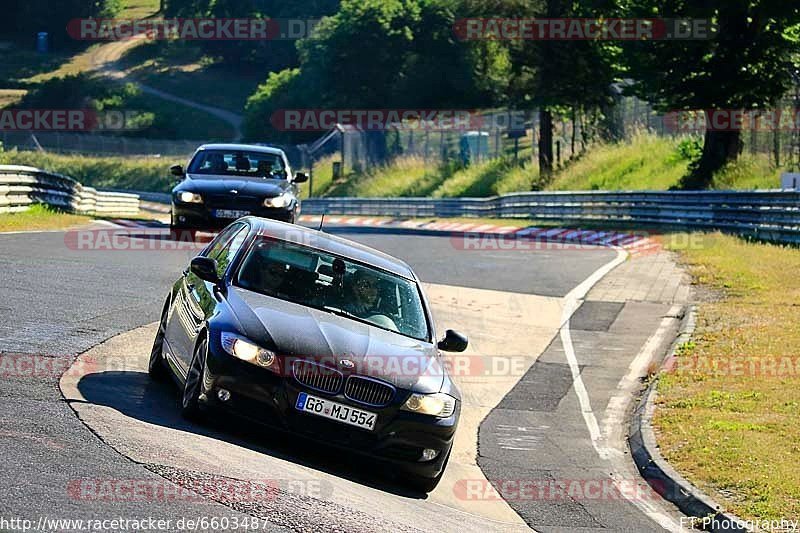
(332, 244)
(247, 147)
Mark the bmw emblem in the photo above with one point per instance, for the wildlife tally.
(347, 363)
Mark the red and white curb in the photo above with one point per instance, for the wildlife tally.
(634, 244)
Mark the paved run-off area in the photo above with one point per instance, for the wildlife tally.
(511, 304)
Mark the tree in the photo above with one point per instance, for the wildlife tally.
(272, 55)
(555, 75)
(746, 65)
(376, 54)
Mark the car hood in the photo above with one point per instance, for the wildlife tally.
(204, 183)
(304, 332)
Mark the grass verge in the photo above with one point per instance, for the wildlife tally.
(103, 172)
(179, 67)
(40, 217)
(647, 162)
(727, 415)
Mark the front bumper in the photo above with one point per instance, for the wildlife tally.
(200, 216)
(398, 438)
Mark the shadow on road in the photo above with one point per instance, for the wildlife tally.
(136, 395)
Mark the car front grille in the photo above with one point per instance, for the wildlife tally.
(223, 201)
(317, 377)
(368, 391)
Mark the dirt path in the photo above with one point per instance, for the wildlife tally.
(103, 59)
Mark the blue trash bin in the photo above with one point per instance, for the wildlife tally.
(41, 42)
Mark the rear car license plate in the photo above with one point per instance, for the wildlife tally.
(335, 411)
(230, 213)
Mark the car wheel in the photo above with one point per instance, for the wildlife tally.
(156, 367)
(192, 388)
(426, 484)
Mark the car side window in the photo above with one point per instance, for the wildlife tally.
(214, 248)
(228, 252)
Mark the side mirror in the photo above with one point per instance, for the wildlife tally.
(453, 342)
(176, 170)
(205, 268)
(300, 177)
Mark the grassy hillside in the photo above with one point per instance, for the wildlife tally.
(646, 163)
(104, 172)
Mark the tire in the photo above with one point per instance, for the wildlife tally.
(192, 388)
(156, 366)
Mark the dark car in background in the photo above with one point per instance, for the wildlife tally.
(317, 335)
(224, 182)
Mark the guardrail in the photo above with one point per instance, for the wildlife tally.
(20, 187)
(772, 215)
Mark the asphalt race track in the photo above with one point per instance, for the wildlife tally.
(553, 412)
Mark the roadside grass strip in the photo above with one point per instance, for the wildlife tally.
(728, 410)
(40, 217)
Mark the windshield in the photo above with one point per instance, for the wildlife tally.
(238, 163)
(316, 279)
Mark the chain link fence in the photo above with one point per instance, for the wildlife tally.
(509, 134)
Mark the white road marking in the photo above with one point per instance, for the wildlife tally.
(520, 438)
(571, 303)
(604, 448)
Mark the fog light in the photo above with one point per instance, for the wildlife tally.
(225, 395)
(428, 454)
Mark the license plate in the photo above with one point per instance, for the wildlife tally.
(230, 213)
(335, 411)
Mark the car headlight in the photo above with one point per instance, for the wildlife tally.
(440, 404)
(190, 197)
(282, 200)
(246, 350)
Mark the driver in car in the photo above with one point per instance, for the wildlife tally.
(364, 298)
(216, 162)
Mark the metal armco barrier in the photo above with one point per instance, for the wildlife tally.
(20, 187)
(772, 215)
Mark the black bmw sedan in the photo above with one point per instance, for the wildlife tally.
(317, 335)
(224, 182)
